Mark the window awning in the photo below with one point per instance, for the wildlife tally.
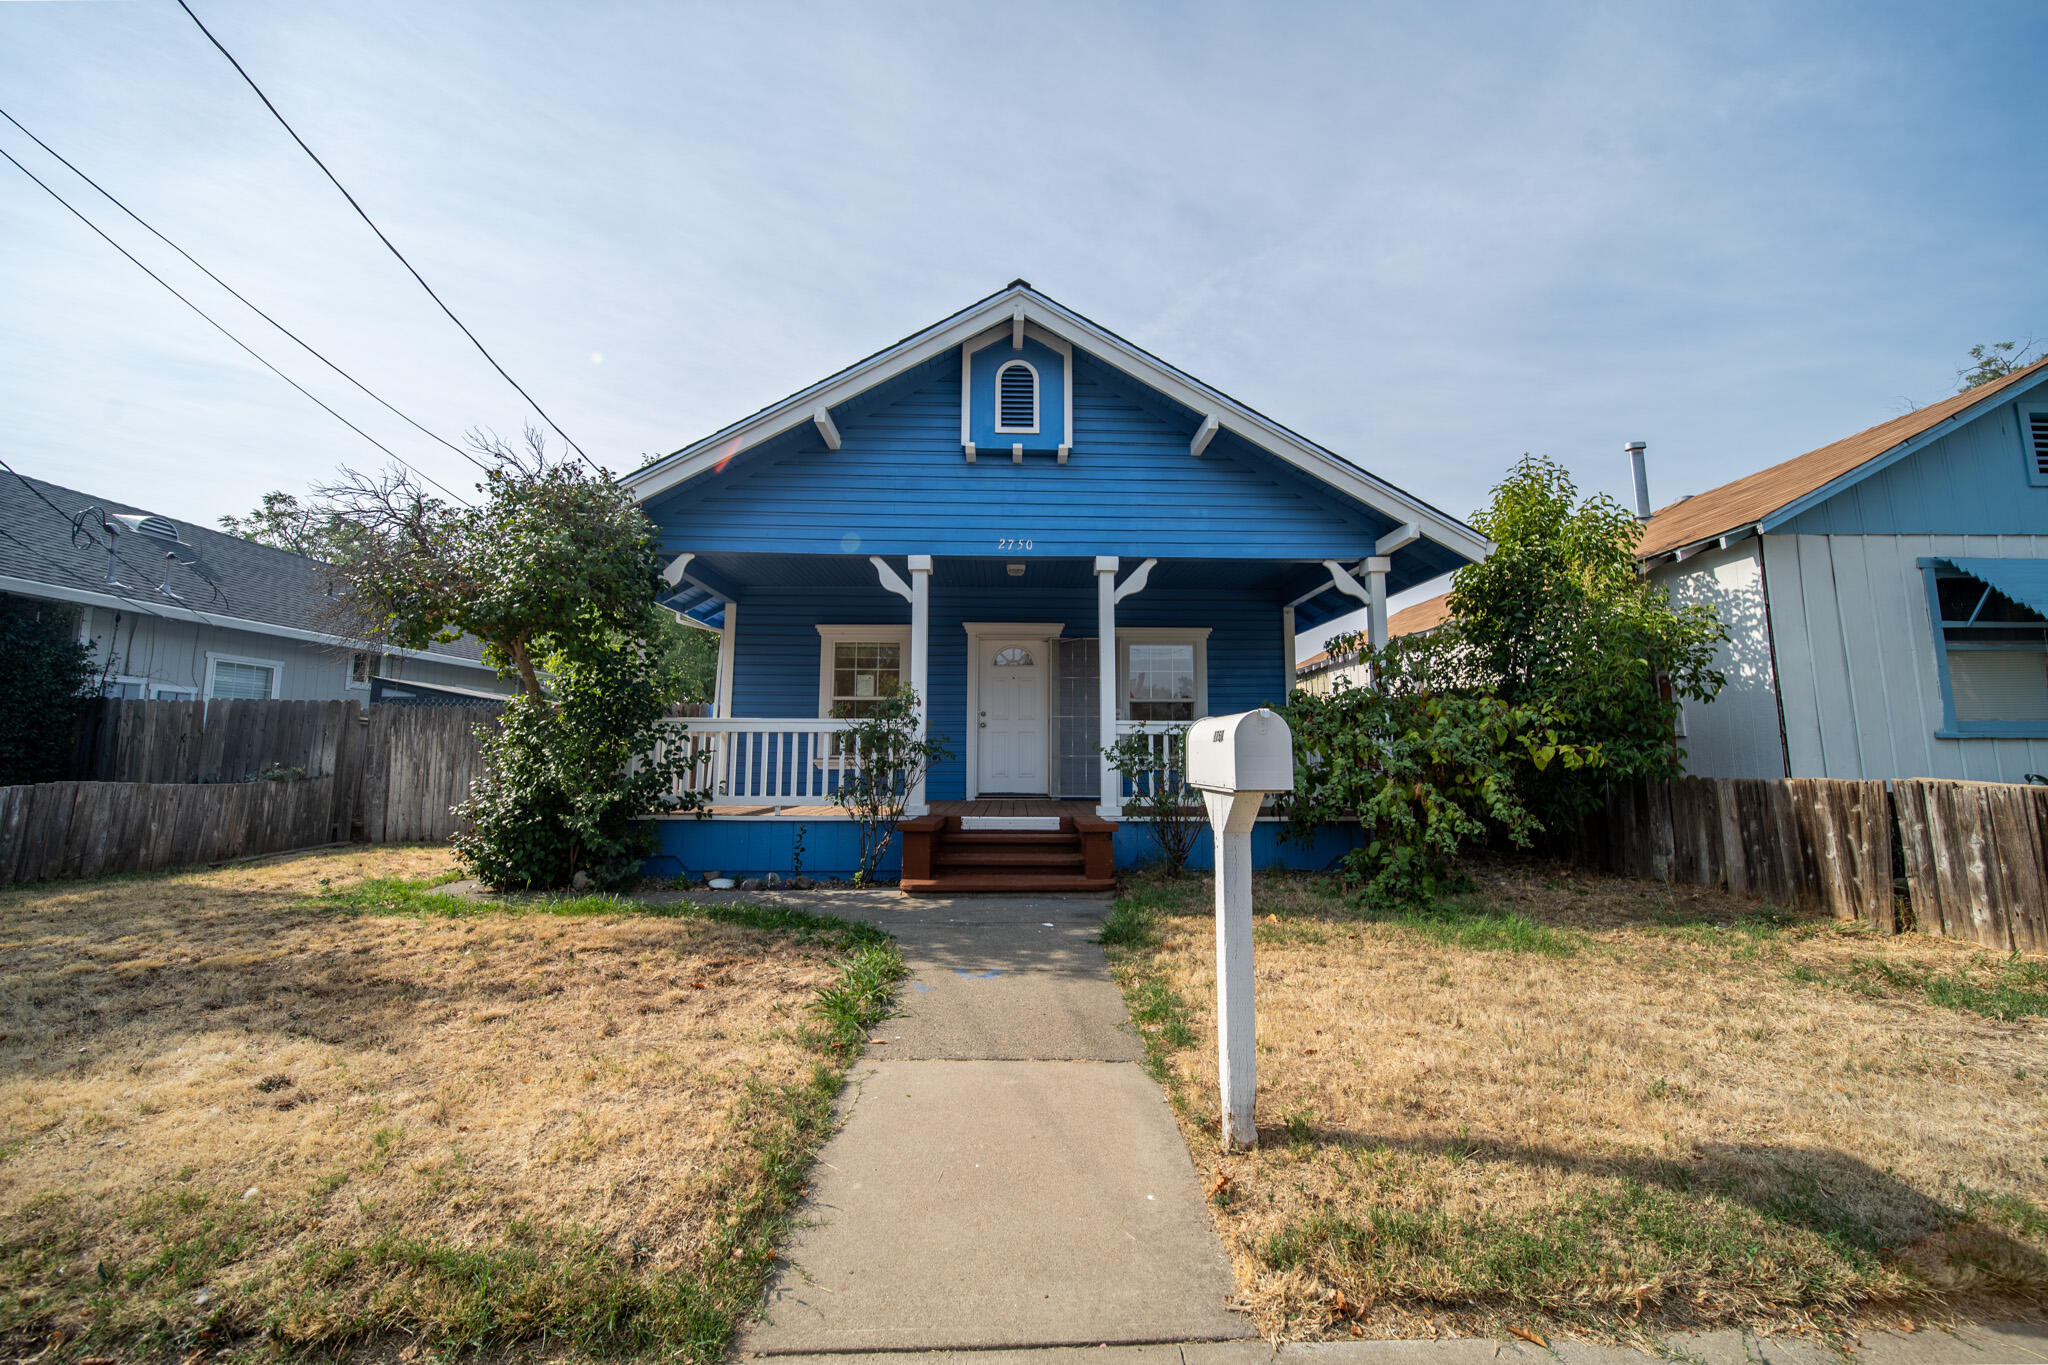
(2025, 581)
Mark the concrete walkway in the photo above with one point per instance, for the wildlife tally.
(1008, 1185)
(1007, 1174)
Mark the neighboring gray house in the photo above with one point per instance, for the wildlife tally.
(179, 611)
(1887, 596)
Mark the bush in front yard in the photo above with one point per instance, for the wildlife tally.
(1423, 765)
(568, 777)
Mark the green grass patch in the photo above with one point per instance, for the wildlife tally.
(1622, 1234)
(1158, 1013)
(2009, 989)
(1468, 922)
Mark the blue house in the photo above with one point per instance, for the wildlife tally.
(1050, 534)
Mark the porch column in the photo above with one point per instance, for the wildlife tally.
(721, 705)
(1287, 647)
(920, 655)
(1376, 598)
(1110, 804)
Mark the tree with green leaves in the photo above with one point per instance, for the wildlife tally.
(556, 570)
(49, 673)
(1995, 360)
(1559, 621)
(282, 522)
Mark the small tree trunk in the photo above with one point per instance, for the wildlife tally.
(528, 679)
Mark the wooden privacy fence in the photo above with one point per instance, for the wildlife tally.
(88, 829)
(1973, 856)
(169, 783)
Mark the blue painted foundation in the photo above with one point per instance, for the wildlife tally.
(754, 848)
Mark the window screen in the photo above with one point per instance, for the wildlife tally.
(241, 682)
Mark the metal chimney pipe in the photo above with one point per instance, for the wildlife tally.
(1635, 455)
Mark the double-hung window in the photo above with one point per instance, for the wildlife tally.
(231, 678)
(1163, 673)
(857, 667)
(1992, 647)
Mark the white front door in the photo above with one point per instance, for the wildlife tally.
(1012, 729)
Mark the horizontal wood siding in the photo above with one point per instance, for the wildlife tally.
(899, 484)
(1859, 681)
(776, 655)
(1972, 481)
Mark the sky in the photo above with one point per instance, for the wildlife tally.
(1431, 237)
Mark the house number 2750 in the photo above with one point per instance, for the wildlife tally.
(1011, 543)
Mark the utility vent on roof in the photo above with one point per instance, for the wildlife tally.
(163, 528)
(1016, 397)
(2037, 444)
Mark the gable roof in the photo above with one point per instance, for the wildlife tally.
(212, 578)
(1756, 497)
(1019, 299)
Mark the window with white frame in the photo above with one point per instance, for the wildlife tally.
(860, 665)
(126, 688)
(359, 669)
(172, 692)
(1016, 397)
(1163, 674)
(230, 678)
(1994, 656)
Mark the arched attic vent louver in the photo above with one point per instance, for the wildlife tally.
(1017, 397)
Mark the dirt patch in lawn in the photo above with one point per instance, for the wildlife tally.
(303, 1103)
(1592, 1104)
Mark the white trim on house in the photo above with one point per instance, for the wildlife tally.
(369, 659)
(214, 660)
(57, 592)
(1041, 632)
(999, 311)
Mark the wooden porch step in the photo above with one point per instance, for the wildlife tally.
(1014, 883)
(1010, 838)
(950, 855)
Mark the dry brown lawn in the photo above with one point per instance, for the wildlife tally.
(1589, 1103)
(233, 1113)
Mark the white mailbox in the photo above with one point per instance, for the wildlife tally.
(1234, 761)
(1252, 751)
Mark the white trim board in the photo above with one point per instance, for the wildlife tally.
(1000, 310)
(57, 592)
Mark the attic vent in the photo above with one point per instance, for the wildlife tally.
(1016, 397)
(2037, 445)
(163, 528)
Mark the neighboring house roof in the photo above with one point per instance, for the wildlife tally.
(1020, 301)
(1756, 498)
(204, 576)
(1415, 619)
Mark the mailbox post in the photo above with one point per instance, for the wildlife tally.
(1234, 761)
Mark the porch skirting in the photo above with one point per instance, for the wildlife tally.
(754, 846)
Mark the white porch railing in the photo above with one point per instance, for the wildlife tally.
(1163, 740)
(742, 762)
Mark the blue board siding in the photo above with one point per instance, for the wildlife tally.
(899, 484)
(1973, 481)
(1050, 368)
(777, 650)
(754, 848)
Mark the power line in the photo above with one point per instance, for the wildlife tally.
(222, 330)
(360, 213)
(304, 345)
